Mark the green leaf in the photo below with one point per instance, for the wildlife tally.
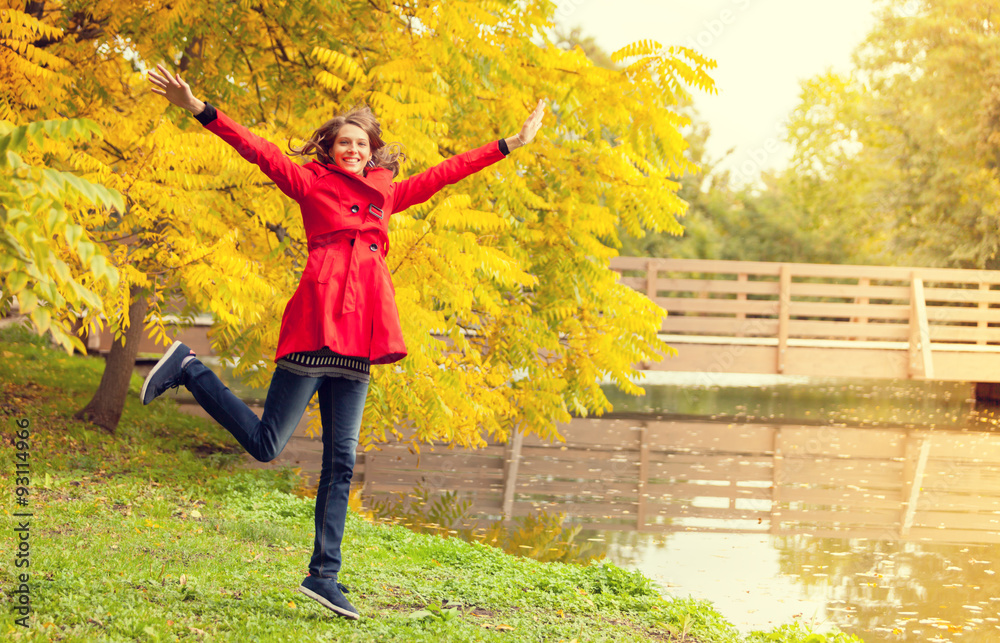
(62, 270)
(16, 281)
(73, 234)
(54, 218)
(28, 301)
(15, 140)
(9, 158)
(85, 250)
(43, 320)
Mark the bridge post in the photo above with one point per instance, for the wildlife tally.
(784, 304)
(920, 334)
(863, 282)
(651, 279)
(741, 279)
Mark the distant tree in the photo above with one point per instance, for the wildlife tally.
(905, 150)
(753, 224)
(767, 223)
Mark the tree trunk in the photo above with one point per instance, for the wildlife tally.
(105, 409)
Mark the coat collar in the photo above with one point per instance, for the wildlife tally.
(377, 178)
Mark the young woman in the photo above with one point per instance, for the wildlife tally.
(342, 318)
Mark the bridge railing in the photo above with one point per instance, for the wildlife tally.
(921, 310)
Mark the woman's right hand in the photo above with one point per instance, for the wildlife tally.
(174, 90)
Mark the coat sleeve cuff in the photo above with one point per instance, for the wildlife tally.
(502, 143)
(207, 115)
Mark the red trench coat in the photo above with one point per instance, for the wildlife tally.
(345, 299)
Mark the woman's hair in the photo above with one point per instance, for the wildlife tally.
(321, 142)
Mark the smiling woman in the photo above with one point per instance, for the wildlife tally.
(342, 318)
(351, 150)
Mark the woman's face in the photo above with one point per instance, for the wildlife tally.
(351, 149)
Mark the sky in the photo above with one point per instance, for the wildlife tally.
(764, 49)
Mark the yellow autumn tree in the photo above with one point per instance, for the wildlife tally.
(52, 281)
(510, 312)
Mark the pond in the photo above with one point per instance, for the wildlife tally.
(873, 506)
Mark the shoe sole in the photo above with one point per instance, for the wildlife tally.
(327, 604)
(163, 360)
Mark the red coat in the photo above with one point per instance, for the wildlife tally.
(345, 299)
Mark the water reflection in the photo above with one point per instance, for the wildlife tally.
(899, 590)
(892, 532)
(540, 535)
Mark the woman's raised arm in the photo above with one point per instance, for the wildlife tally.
(420, 187)
(290, 177)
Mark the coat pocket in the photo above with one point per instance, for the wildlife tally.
(326, 267)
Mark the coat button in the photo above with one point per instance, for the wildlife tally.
(354, 209)
(373, 247)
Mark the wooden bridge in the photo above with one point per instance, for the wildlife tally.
(802, 319)
(823, 320)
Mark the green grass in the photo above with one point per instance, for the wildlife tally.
(157, 533)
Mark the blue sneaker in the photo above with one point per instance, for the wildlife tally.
(166, 374)
(329, 593)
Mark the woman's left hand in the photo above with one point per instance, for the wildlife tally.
(532, 125)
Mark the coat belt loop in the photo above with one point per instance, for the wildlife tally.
(353, 276)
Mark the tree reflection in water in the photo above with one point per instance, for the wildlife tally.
(902, 591)
(540, 535)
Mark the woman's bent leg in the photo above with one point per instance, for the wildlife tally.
(341, 406)
(263, 438)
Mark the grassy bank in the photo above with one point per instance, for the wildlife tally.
(158, 534)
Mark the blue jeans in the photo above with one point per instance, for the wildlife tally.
(341, 405)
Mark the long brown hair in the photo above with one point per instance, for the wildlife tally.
(321, 142)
